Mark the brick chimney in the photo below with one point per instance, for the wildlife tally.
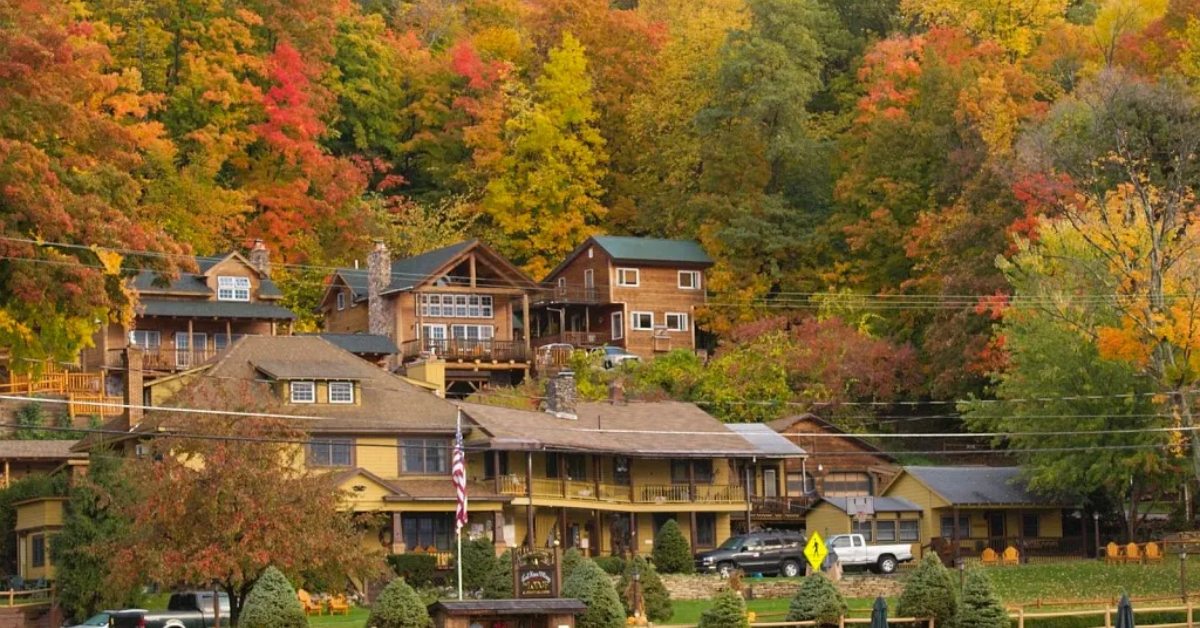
(260, 258)
(562, 398)
(379, 276)
(132, 395)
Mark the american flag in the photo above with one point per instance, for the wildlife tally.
(458, 472)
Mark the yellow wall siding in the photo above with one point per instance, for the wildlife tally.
(377, 455)
(826, 520)
(40, 514)
(907, 487)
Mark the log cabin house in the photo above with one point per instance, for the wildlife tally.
(640, 294)
(455, 313)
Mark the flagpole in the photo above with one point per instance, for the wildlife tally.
(458, 524)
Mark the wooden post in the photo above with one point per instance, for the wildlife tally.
(228, 333)
(1107, 618)
(842, 620)
(529, 518)
(7, 474)
(1189, 614)
(562, 474)
(594, 544)
(633, 534)
(692, 525)
(956, 536)
(526, 324)
(496, 470)
(191, 342)
(471, 262)
(562, 527)
(1021, 617)
(748, 479)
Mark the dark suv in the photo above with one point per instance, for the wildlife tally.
(767, 552)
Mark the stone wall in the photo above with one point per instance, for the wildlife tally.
(704, 587)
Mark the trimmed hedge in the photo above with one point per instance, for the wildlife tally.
(272, 603)
(398, 606)
(817, 600)
(672, 553)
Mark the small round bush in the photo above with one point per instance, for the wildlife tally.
(589, 584)
(398, 606)
(655, 594)
(728, 610)
(817, 600)
(272, 603)
(979, 607)
(929, 592)
(672, 554)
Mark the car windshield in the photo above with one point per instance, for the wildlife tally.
(96, 620)
(733, 543)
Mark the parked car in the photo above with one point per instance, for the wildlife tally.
(854, 551)
(99, 620)
(185, 609)
(767, 552)
(615, 356)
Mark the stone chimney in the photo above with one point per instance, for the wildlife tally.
(260, 258)
(561, 396)
(132, 395)
(379, 276)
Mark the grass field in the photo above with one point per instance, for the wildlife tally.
(357, 618)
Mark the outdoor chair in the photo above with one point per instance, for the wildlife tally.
(16, 583)
(989, 557)
(1011, 556)
(38, 584)
(311, 606)
(1132, 553)
(1153, 554)
(339, 605)
(1112, 553)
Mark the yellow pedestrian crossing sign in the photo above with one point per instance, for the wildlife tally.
(815, 551)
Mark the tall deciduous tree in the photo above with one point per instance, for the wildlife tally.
(546, 199)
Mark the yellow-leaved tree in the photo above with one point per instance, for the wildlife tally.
(1017, 25)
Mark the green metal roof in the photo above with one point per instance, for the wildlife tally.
(214, 309)
(626, 248)
(370, 344)
(411, 271)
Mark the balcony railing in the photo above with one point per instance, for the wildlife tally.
(572, 294)
(574, 338)
(779, 506)
(172, 359)
(639, 494)
(462, 349)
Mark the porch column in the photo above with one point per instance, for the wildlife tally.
(562, 474)
(596, 472)
(746, 487)
(228, 333)
(1021, 535)
(527, 325)
(691, 480)
(562, 527)
(529, 519)
(191, 347)
(398, 545)
(633, 534)
(692, 526)
(496, 471)
(498, 540)
(954, 544)
(595, 544)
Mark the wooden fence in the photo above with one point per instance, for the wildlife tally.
(24, 597)
(89, 404)
(55, 381)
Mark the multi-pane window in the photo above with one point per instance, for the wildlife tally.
(1030, 525)
(233, 288)
(677, 322)
(220, 341)
(702, 469)
(885, 531)
(910, 530)
(304, 392)
(628, 277)
(457, 305)
(37, 550)
(426, 531)
(471, 332)
(846, 485)
(341, 392)
(706, 529)
(689, 280)
(642, 320)
(861, 527)
(145, 339)
(331, 452)
(964, 527)
(575, 465)
(618, 326)
(424, 455)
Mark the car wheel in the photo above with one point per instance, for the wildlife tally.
(887, 564)
(725, 569)
(789, 569)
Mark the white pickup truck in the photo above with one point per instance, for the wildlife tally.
(853, 551)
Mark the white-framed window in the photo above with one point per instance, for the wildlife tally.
(689, 280)
(618, 325)
(628, 277)
(304, 392)
(589, 279)
(457, 305)
(471, 332)
(233, 288)
(145, 338)
(341, 392)
(220, 341)
(677, 321)
(331, 452)
(562, 282)
(341, 300)
(641, 320)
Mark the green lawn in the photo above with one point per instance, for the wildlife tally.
(357, 618)
(1090, 580)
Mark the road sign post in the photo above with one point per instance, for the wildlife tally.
(815, 551)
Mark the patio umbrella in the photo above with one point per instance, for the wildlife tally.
(1124, 613)
(879, 613)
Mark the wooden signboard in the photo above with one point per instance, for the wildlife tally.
(536, 572)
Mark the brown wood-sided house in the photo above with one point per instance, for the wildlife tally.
(838, 464)
(187, 321)
(456, 313)
(636, 293)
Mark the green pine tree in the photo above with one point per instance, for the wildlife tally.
(589, 584)
(672, 554)
(728, 610)
(817, 599)
(398, 606)
(656, 597)
(272, 603)
(929, 592)
(979, 607)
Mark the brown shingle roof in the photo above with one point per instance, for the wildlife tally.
(308, 369)
(37, 450)
(662, 428)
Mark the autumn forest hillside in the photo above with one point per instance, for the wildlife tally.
(986, 207)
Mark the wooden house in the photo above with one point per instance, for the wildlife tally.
(890, 520)
(837, 464)
(456, 313)
(640, 294)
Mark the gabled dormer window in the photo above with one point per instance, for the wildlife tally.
(304, 392)
(233, 288)
(341, 392)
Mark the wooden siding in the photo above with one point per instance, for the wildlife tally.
(844, 454)
(657, 292)
(39, 514)
(351, 319)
